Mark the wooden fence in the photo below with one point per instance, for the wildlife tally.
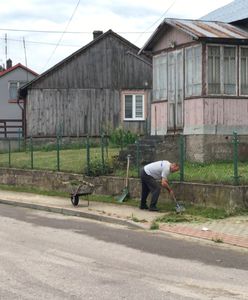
(11, 128)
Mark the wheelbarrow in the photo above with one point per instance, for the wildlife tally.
(77, 193)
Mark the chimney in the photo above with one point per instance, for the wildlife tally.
(9, 63)
(97, 33)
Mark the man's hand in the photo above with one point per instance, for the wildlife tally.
(165, 184)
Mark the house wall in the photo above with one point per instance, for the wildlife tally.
(108, 64)
(215, 116)
(159, 118)
(83, 95)
(11, 110)
(77, 112)
(171, 39)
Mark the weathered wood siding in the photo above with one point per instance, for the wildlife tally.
(83, 95)
(159, 116)
(107, 64)
(76, 112)
(215, 115)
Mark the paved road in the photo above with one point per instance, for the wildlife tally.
(51, 256)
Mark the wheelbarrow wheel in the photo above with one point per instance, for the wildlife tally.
(75, 200)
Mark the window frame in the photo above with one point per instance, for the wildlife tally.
(134, 94)
(191, 84)
(222, 84)
(240, 81)
(18, 83)
(157, 59)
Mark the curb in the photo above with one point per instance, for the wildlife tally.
(73, 212)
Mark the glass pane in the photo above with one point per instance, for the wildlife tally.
(230, 70)
(139, 106)
(214, 70)
(13, 90)
(244, 71)
(128, 106)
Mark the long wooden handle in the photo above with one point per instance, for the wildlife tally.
(128, 163)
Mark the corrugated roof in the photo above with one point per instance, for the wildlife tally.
(199, 29)
(234, 11)
(208, 29)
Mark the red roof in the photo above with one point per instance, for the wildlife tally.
(16, 67)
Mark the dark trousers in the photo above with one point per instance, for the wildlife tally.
(149, 185)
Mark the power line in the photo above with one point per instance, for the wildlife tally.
(67, 32)
(40, 43)
(163, 15)
(63, 33)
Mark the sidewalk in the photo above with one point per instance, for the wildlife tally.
(232, 231)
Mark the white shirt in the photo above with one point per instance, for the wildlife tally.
(158, 169)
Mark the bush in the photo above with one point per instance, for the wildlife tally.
(121, 137)
(96, 168)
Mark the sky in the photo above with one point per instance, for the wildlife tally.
(41, 33)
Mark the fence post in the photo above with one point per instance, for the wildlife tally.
(137, 156)
(9, 153)
(181, 158)
(102, 152)
(31, 152)
(58, 154)
(235, 158)
(88, 155)
(19, 139)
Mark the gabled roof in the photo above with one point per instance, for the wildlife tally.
(2, 73)
(83, 49)
(198, 30)
(235, 11)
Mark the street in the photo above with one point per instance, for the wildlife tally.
(51, 256)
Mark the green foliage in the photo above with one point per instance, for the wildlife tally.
(154, 226)
(122, 137)
(96, 168)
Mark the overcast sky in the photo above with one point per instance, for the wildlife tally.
(135, 20)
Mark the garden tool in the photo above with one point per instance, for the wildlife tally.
(179, 207)
(125, 191)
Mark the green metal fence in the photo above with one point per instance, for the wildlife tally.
(98, 156)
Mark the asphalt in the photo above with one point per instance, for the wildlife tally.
(231, 231)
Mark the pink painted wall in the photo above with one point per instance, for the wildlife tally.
(204, 115)
(216, 111)
(159, 118)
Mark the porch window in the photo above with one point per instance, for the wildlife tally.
(193, 71)
(222, 70)
(160, 77)
(243, 71)
(134, 107)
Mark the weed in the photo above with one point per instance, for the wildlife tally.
(154, 226)
(217, 240)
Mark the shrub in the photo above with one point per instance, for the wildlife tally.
(122, 137)
(96, 168)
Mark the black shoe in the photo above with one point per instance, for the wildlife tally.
(144, 207)
(153, 208)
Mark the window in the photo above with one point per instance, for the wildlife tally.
(243, 71)
(193, 71)
(13, 88)
(160, 77)
(222, 70)
(134, 107)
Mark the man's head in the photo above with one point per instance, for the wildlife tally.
(174, 167)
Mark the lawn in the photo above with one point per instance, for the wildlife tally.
(74, 160)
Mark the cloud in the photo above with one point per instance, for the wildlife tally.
(131, 19)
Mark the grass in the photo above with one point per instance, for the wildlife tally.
(71, 160)
(74, 160)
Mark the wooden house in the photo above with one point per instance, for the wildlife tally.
(200, 83)
(105, 84)
(11, 112)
